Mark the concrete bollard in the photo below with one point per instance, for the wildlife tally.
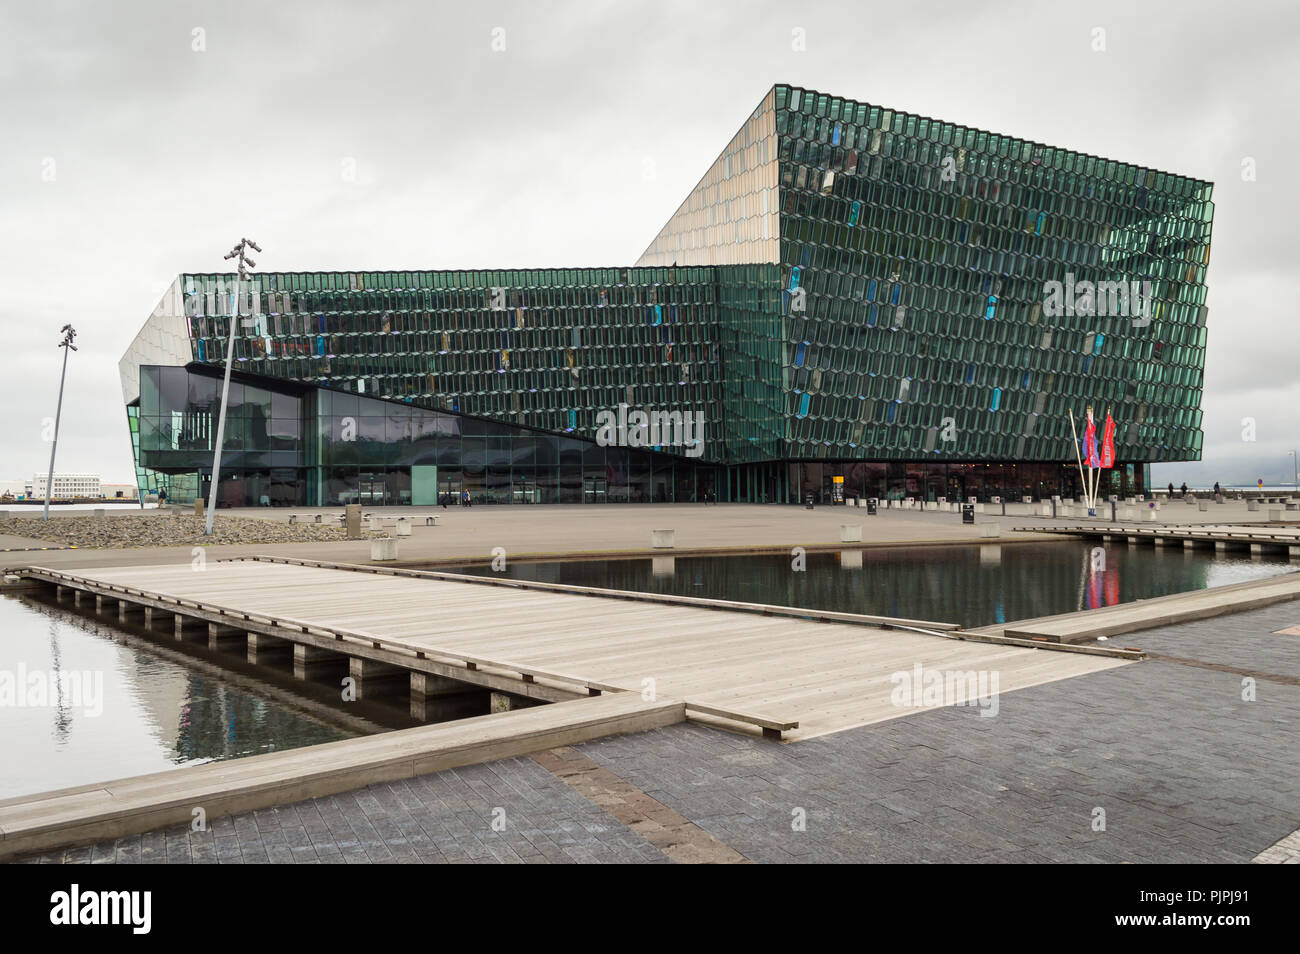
(663, 566)
(200, 507)
(1274, 513)
(352, 521)
(990, 530)
(850, 533)
(1252, 506)
(376, 523)
(1151, 516)
(1203, 506)
(403, 526)
(663, 539)
(384, 548)
(100, 513)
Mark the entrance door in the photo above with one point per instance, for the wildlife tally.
(372, 489)
(594, 490)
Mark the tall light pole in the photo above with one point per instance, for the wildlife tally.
(66, 344)
(1295, 470)
(240, 252)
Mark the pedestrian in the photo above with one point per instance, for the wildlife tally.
(162, 500)
(1171, 490)
(1184, 488)
(1217, 491)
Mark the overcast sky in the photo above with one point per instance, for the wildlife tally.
(143, 139)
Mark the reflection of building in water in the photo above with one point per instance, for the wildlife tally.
(220, 722)
(162, 690)
(197, 717)
(972, 585)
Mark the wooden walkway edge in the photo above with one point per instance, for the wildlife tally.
(1128, 618)
(76, 816)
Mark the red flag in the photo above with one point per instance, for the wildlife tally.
(1090, 443)
(1108, 443)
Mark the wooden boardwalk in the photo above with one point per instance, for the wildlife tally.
(1126, 618)
(738, 667)
(87, 813)
(1257, 539)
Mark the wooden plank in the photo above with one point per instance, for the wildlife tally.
(144, 803)
(766, 670)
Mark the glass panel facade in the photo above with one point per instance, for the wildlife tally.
(850, 290)
(342, 448)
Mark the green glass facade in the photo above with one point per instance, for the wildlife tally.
(850, 292)
(288, 444)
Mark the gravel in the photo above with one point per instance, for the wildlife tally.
(164, 529)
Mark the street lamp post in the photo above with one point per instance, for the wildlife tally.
(240, 252)
(1295, 470)
(66, 344)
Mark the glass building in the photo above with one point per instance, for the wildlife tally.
(852, 301)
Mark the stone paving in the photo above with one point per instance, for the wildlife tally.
(446, 817)
(472, 534)
(1183, 768)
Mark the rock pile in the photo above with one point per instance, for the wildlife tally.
(164, 529)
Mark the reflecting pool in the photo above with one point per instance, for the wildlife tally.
(975, 585)
(83, 700)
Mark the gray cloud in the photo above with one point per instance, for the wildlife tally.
(534, 156)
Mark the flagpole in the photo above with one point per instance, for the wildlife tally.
(1078, 458)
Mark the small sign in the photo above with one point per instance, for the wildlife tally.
(837, 480)
(1260, 482)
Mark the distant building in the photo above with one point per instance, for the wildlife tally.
(67, 485)
(118, 490)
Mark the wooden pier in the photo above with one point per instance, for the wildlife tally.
(651, 659)
(1284, 540)
(791, 672)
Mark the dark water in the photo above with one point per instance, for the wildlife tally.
(970, 585)
(130, 703)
